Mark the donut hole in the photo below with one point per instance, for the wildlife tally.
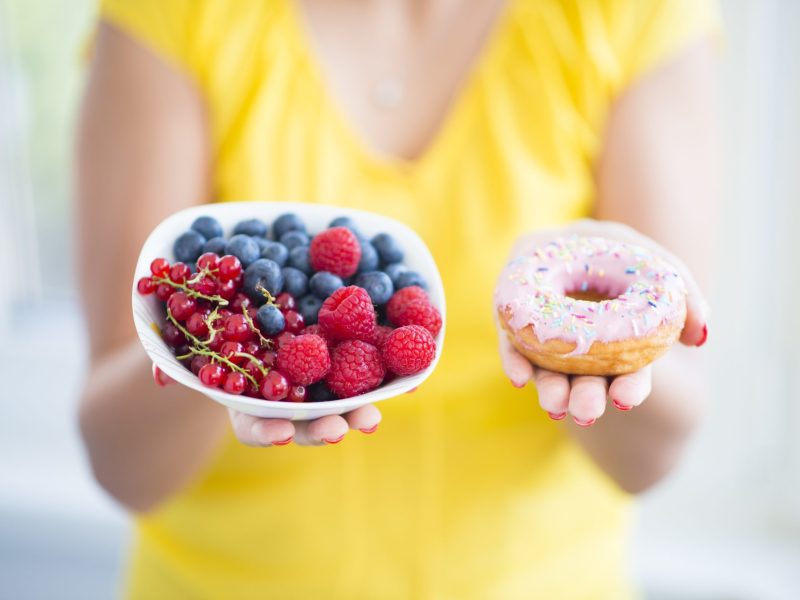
(590, 295)
(595, 289)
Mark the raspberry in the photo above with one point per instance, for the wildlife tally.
(356, 368)
(408, 350)
(347, 314)
(420, 312)
(379, 335)
(401, 298)
(335, 250)
(314, 329)
(304, 359)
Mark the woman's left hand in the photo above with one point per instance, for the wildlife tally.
(583, 396)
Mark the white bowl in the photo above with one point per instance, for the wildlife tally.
(147, 310)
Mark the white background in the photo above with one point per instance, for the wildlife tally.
(725, 525)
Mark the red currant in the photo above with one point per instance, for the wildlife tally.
(284, 337)
(172, 335)
(211, 375)
(297, 393)
(216, 343)
(253, 368)
(268, 357)
(229, 268)
(179, 272)
(285, 301)
(164, 291)
(230, 349)
(208, 261)
(145, 286)
(198, 362)
(294, 321)
(239, 300)
(159, 267)
(181, 306)
(227, 289)
(196, 324)
(251, 347)
(205, 285)
(274, 386)
(235, 383)
(237, 329)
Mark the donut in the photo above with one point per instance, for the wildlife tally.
(591, 306)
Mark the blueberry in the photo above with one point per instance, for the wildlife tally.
(349, 223)
(262, 273)
(309, 306)
(287, 222)
(298, 259)
(188, 246)
(275, 251)
(208, 227)
(244, 248)
(323, 284)
(215, 245)
(393, 271)
(293, 239)
(378, 285)
(319, 392)
(262, 243)
(388, 249)
(251, 227)
(409, 278)
(369, 258)
(295, 282)
(270, 319)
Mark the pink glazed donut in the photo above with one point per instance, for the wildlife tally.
(591, 306)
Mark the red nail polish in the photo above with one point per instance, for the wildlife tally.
(336, 441)
(283, 442)
(557, 416)
(580, 423)
(369, 429)
(705, 336)
(159, 377)
(621, 406)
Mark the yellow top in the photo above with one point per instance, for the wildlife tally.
(467, 490)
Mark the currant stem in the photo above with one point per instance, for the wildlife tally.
(264, 370)
(265, 341)
(189, 291)
(219, 358)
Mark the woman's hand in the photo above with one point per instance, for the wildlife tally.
(584, 397)
(255, 431)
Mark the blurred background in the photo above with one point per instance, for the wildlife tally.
(725, 525)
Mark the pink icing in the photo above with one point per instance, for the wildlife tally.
(646, 291)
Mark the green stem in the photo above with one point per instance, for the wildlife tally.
(189, 291)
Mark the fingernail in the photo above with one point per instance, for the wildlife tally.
(336, 441)
(580, 423)
(159, 377)
(621, 406)
(283, 442)
(518, 385)
(705, 336)
(557, 416)
(370, 429)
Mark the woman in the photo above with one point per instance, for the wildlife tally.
(476, 124)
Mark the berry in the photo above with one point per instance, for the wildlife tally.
(208, 261)
(251, 347)
(268, 357)
(215, 245)
(274, 386)
(244, 248)
(211, 375)
(179, 272)
(369, 258)
(283, 338)
(251, 227)
(379, 336)
(403, 297)
(163, 291)
(323, 284)
(348, 223)
(305, 359)
(262, 243)
(285, 301)
(393, 271)
(285, 223)
(270, 319)
(299, 259)
(275, 251)
(196, 325)
(336, 250)
(347, 314)
(198, 362)
(356, 368)
(236, 328)
(378, 285)
(294, 239)
(319, 392)
(409, 278)
(172, 335)
(145, 286)
(262, 273)
(294, 321)
(205, 285)
(181, 306)
(229, 267)
(420, 312)
(388, 249)
(230, 349)
(295, 282)
(408, 350)
(188, 246)
(239, 301)
(227, 289)
(208, 227)
(160, 267)
(309, 306)
(313, 330)
(297, 393)
(235, 383)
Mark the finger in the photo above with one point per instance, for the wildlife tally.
(631, 390)
(254, 431)
(553, 391)
(161, 378)
(365, 418)
(325, 430)
(516, 367)
(587, 399)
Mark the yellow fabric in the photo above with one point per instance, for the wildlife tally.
(467, 490)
